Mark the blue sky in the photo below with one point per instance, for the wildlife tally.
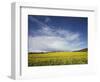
(52, 33)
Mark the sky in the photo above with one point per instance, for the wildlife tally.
(56, 33)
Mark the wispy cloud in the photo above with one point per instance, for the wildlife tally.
(48, 39)
(33, 19)
(52, 39)
(47, 19)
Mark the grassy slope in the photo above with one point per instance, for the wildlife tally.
(57, 58)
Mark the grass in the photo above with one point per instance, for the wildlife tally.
(57, 58)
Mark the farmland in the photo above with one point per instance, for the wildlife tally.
(57, 58)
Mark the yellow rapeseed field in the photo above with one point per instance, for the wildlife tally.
(57, 58)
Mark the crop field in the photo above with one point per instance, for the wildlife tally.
(57, 58)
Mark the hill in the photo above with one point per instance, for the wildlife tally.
(82, 50)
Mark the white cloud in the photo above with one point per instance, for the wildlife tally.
(46, 43)
(54, 39)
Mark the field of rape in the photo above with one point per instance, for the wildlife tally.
(57, 58)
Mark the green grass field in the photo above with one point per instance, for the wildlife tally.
(57, 58)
